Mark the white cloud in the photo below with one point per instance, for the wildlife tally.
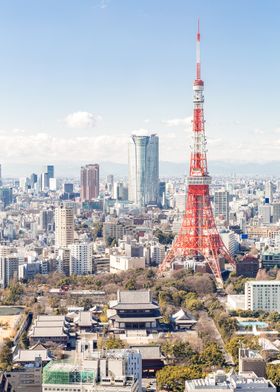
(104, 4)
(82, 120)
(177, 122)
(142, 132)
(258, 131)
(42, 147)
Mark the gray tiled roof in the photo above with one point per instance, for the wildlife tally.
(135, 297)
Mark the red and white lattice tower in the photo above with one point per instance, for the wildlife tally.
(198, 235)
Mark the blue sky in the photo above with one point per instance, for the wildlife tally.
(78, 76)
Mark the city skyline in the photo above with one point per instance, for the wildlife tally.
(111, 77)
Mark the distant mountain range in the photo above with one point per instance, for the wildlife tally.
(172, 169)
(167, 169)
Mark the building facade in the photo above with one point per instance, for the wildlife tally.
(89, 182)
(80, 258)
(221, 204)
(143, 175)
(262, 295)
(64, 225)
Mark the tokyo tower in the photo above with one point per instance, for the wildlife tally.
(198, 236)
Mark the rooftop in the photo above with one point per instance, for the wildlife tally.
(134, 296)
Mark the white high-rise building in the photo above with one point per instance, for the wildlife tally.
(262, 295)
(64, 225)
(143, 175)
(80, 258)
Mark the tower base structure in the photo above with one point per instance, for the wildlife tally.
(198, 236)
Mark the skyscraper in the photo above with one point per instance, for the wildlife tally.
(143, 167)
(50, 170)
(268, 192)
(89, 182)
(64, 224)
(47, 174)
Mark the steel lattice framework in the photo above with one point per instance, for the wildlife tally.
(198, 235)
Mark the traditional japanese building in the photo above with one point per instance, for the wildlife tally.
(133, 310)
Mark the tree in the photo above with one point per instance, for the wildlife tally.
(178, 351)
(113, 343)
(233, 345)
(172, 378)
(212, 355)
(54, 302)
(110, 240)
(97, 230)
(164, 238)
(24, 341)
(13, 294)
(130, 284)
(6, 356)
(273, 374)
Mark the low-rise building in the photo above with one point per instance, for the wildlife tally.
(270, 259)
(251, 361)
(46, 329)
(113, 371)
(120, 263)
(220, 382)
(248, 266)
(181, 320)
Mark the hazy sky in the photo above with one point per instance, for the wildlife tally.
(78, 76)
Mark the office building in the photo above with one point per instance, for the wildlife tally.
(9, 266)
(269, 190)
(157, 254)
(262, 295)
(221, 204)
(230, 241)
(53, 184)
(27, 271)
(80, 258)
(33, 180)
(49, 169)
(47, 174)
(275, 212)
(143, 175)
(64, 224)
(46, 220)
(270, 259)
(63, 259)
(89, 182)
(248, 266)
(120, 263)
(110, 182)
(68, 187)
(120, 191)
(6, 196)
(265, 213)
